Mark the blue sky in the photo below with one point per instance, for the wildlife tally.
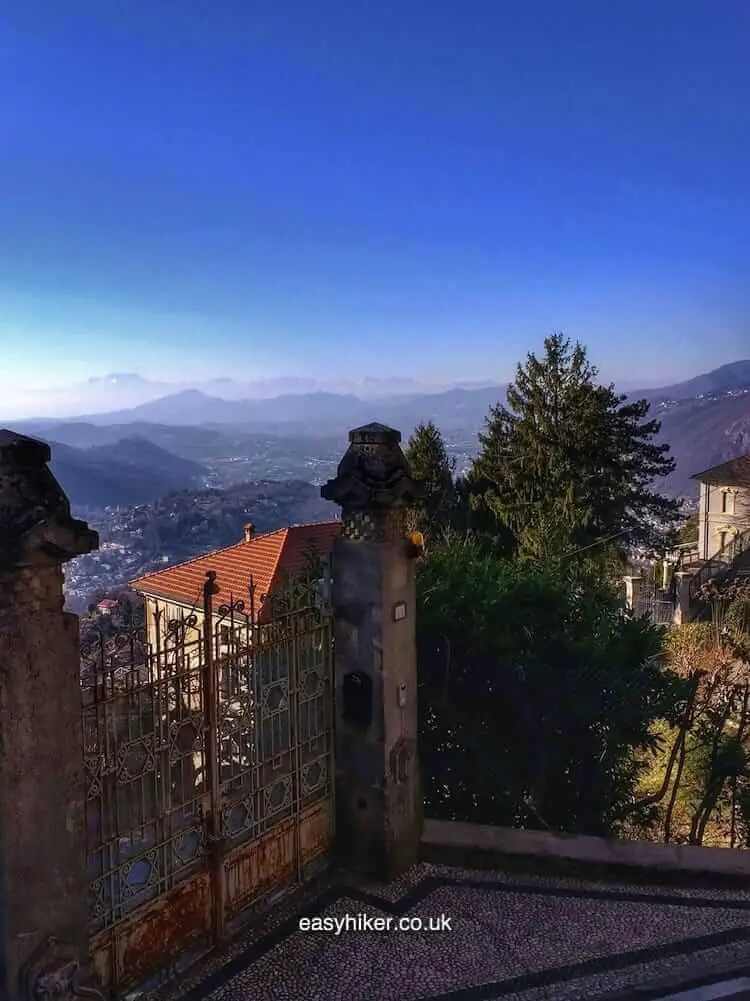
(401, 187)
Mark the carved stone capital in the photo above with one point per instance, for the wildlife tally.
(373, 475)
(35, 518)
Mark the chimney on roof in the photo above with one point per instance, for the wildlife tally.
(249, 531)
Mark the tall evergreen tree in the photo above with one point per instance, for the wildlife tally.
(569, 463)
(430, 463)
(475, 519)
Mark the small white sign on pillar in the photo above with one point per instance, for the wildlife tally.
(399, 611)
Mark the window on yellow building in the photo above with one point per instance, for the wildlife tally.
(727, 502)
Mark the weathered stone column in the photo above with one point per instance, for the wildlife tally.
(43, 887)
(683, 606)
(632, 591)
(378, 795)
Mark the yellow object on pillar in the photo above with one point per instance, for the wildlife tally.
(415, 545)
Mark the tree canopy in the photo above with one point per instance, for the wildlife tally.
(688, 531)
(537, 692)
(430, 463)
(569, 463)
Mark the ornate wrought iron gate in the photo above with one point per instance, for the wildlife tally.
(208, 757)
(656, 603)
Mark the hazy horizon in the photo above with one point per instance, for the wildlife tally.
(52, 390)
(356, 190)
(126, 390)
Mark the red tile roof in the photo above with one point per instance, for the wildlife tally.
(264, 558)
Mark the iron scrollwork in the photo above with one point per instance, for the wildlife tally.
(230, 608)
(176, 628)
(227, 706)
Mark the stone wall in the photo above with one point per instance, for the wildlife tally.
(43, 882)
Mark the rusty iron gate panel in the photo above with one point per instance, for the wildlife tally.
(274, 790)
(208, 757)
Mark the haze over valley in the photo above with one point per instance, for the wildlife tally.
(179, 474)
(230, 239)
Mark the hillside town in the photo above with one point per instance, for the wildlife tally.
(182, 525)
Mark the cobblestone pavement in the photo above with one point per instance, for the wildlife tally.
(507, 937)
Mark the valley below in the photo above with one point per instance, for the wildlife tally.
(160, 489)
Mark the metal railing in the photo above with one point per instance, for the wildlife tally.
(657, 606)
(662, 612)
(720, 563)
(684, 553)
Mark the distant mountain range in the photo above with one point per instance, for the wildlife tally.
(728, 378)
(125, 391)
(323, 412)
(702, 433)
(129, 471)
(304, 414)
(132, 455)
(187, 441)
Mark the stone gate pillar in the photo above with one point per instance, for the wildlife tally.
(378, 796)
(43, 886)
(633, 584)
(683, 604)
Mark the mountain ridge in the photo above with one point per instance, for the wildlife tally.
(239, 438)
(125, 391)
(725, 379)
(130, 471)
(191, 406)
(310, 410)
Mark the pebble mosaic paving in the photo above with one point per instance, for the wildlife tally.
(511, 937)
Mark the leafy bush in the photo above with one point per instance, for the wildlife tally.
(536, 692)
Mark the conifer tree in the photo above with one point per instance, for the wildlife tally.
(430, 463)
(569, 463)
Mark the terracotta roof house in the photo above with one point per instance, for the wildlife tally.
(265, 560)
(724, 505)
(107, 606)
